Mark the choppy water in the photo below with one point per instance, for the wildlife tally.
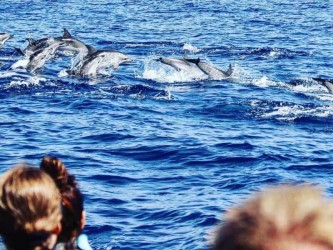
(159, 155)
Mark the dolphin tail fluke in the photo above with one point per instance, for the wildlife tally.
(66, 34)
(230, 70)
(19, 51)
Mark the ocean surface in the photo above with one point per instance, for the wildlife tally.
(158, 154)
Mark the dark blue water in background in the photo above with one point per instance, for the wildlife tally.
(158, 155)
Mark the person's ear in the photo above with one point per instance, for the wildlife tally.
(83, 219)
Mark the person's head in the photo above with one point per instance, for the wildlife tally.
(30, 211)
(71, 199)
(282, 218)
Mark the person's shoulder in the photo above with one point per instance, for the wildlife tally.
(83, 243)
(60, 246)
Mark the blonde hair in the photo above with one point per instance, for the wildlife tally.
(278, 218)
(29, 207)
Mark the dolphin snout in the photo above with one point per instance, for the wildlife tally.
(127, 60)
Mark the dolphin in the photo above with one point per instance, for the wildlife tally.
(179, 64)
(39, 58)
(73, 44)
(70, 44)
(213, 72)
(326, 83)
(99, 60)
(36, 45)
(4, 37)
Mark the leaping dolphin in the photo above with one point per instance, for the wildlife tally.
(4, 37)
(99, 60)
(70, 44)
(73, 44)
(180, 64)
(36, 45)
(195, 65)
(213, 72)
(39, 58)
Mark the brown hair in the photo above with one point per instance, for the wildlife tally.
(71, 199)
(286, 217)
(29, 208)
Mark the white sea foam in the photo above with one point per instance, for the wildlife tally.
(63, 73)
(249, 77)
(7, 74)
(264, 82)
(293, 112)
(190, 48)
(29, 81)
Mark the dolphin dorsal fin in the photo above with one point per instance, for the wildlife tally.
(66, 34)
(30, 40)
(195, 61)
(230, 70)
(91, 49)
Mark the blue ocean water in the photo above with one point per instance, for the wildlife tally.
(160, 155)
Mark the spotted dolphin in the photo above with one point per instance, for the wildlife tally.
(99, 60)
(36, 45)
(73, 44)
(213, 72)
(193, 66)
(70, 44)
(34, 48)
(39, 58)
(179, 64)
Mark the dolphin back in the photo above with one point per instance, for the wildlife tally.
(195, 61)
(215, 73)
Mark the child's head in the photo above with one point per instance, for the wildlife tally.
(30, 209)
(280, 218)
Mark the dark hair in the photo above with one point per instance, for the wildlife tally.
(71, 199)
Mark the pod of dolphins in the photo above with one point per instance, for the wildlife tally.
(88, 61)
